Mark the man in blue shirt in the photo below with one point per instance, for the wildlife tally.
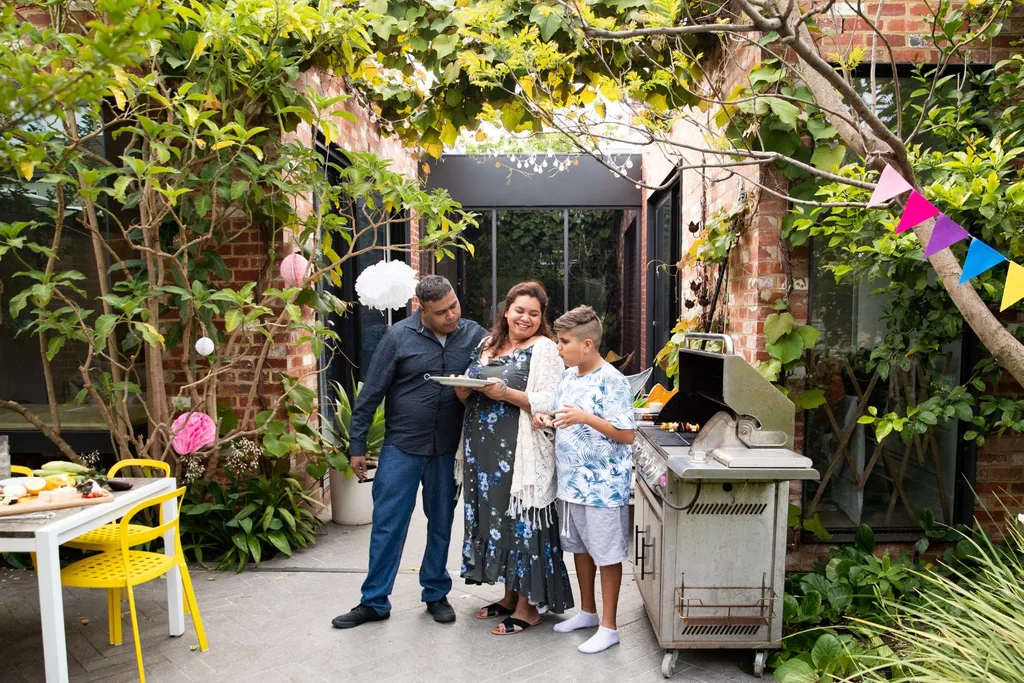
(423, 422)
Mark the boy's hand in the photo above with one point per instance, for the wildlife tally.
(542, 421)
(569, 415)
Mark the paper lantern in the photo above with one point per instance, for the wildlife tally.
(192, 431)
(386, 285)
(293, 269)
(204, 346)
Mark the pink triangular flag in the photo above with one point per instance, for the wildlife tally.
(918, 211)
(889, 185)
(945, 234)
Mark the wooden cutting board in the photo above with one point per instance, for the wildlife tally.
(37, 506)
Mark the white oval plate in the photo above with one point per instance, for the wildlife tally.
(466, 382)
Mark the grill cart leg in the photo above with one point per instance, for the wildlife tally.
(759, 658)
(668, 662)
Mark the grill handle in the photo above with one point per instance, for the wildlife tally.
(700, 336)
(643, 564)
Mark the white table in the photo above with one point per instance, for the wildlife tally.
(44, 536)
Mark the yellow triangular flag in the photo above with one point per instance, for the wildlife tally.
(1013, 290)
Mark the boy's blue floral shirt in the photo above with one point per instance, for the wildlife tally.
(593, 469)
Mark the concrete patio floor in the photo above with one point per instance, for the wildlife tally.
(273, 624)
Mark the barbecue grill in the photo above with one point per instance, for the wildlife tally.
(711, 506)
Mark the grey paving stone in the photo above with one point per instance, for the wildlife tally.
(274, 625)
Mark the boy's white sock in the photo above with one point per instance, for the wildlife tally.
(581, 620)
(600, 641)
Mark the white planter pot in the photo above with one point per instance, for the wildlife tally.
(351, 500)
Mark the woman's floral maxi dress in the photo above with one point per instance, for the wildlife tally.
(497, 547)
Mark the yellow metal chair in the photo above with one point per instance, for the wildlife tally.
(106, 538)
(125, 568)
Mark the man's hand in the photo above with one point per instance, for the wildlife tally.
(541, 421)
(569, 415)
(496, 390)
(358, 465)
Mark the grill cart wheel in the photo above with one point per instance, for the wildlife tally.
(668, 662)
(759, 658)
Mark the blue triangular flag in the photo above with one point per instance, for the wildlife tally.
(980, 257)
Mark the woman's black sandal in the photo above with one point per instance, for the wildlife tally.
(513, 626)
(495, 609)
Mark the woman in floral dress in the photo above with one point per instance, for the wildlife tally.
(508, 471)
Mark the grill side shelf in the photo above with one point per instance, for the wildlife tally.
(695, 612)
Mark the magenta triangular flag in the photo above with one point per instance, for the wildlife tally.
(918, 211)
(945, 234)
(889, 185)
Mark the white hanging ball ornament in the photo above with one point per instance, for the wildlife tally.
(387, 284)
(629, 163)
(204, 346)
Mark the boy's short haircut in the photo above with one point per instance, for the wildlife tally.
(582, 323)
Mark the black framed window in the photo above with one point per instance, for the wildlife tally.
(885, 486)
(664, 244)
(361, 328)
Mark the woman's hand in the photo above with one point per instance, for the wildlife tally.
(569, 415)
(463, 393)
(496, 390)
(542, 421)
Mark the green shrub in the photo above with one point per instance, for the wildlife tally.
(252, 517)
(964, 626)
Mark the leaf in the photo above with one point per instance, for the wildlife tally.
(840, 596)
(788, 349)
(787, 112)
(828, 158)
(54, 347)
(104, 326)
(778, 324)
(228, 417)
(827, 649)
(444, 45)
(809, 334)
(795, 671)
(280, 541)
(27, 169)
(817, 527)
(814, 582)
(864, 539)
(821, 129)
(808, 400)
(233, 318)
(810, 606)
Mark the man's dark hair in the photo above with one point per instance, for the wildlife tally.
(432, 288)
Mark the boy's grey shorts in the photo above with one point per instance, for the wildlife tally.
(602, 533)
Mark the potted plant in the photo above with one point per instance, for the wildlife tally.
(351, 500)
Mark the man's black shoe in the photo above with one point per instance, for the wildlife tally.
(441, 611)
(361, 614)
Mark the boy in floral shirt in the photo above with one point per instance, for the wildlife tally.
(593, 452)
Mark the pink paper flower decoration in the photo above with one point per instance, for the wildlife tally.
(293, 269)
(192, 431)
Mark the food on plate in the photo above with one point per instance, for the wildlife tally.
(91, 489)
(66, 467)
(11, 493)
(59, 495)
(56, 481)
(33, 485)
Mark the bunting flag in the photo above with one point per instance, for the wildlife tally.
(1013, 291)
(945, 234)
(917, 211)
(890, 185)
(980, 257)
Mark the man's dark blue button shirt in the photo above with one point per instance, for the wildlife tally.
(421, 417)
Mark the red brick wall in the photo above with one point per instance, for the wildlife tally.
(246, 258)
(763, 267)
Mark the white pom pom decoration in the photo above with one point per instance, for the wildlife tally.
(204, 346)
(386, 285)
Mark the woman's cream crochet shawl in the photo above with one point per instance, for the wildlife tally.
(534, 482)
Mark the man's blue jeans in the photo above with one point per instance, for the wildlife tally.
(395, 484)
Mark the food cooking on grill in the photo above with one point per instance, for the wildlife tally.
(679, 427)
